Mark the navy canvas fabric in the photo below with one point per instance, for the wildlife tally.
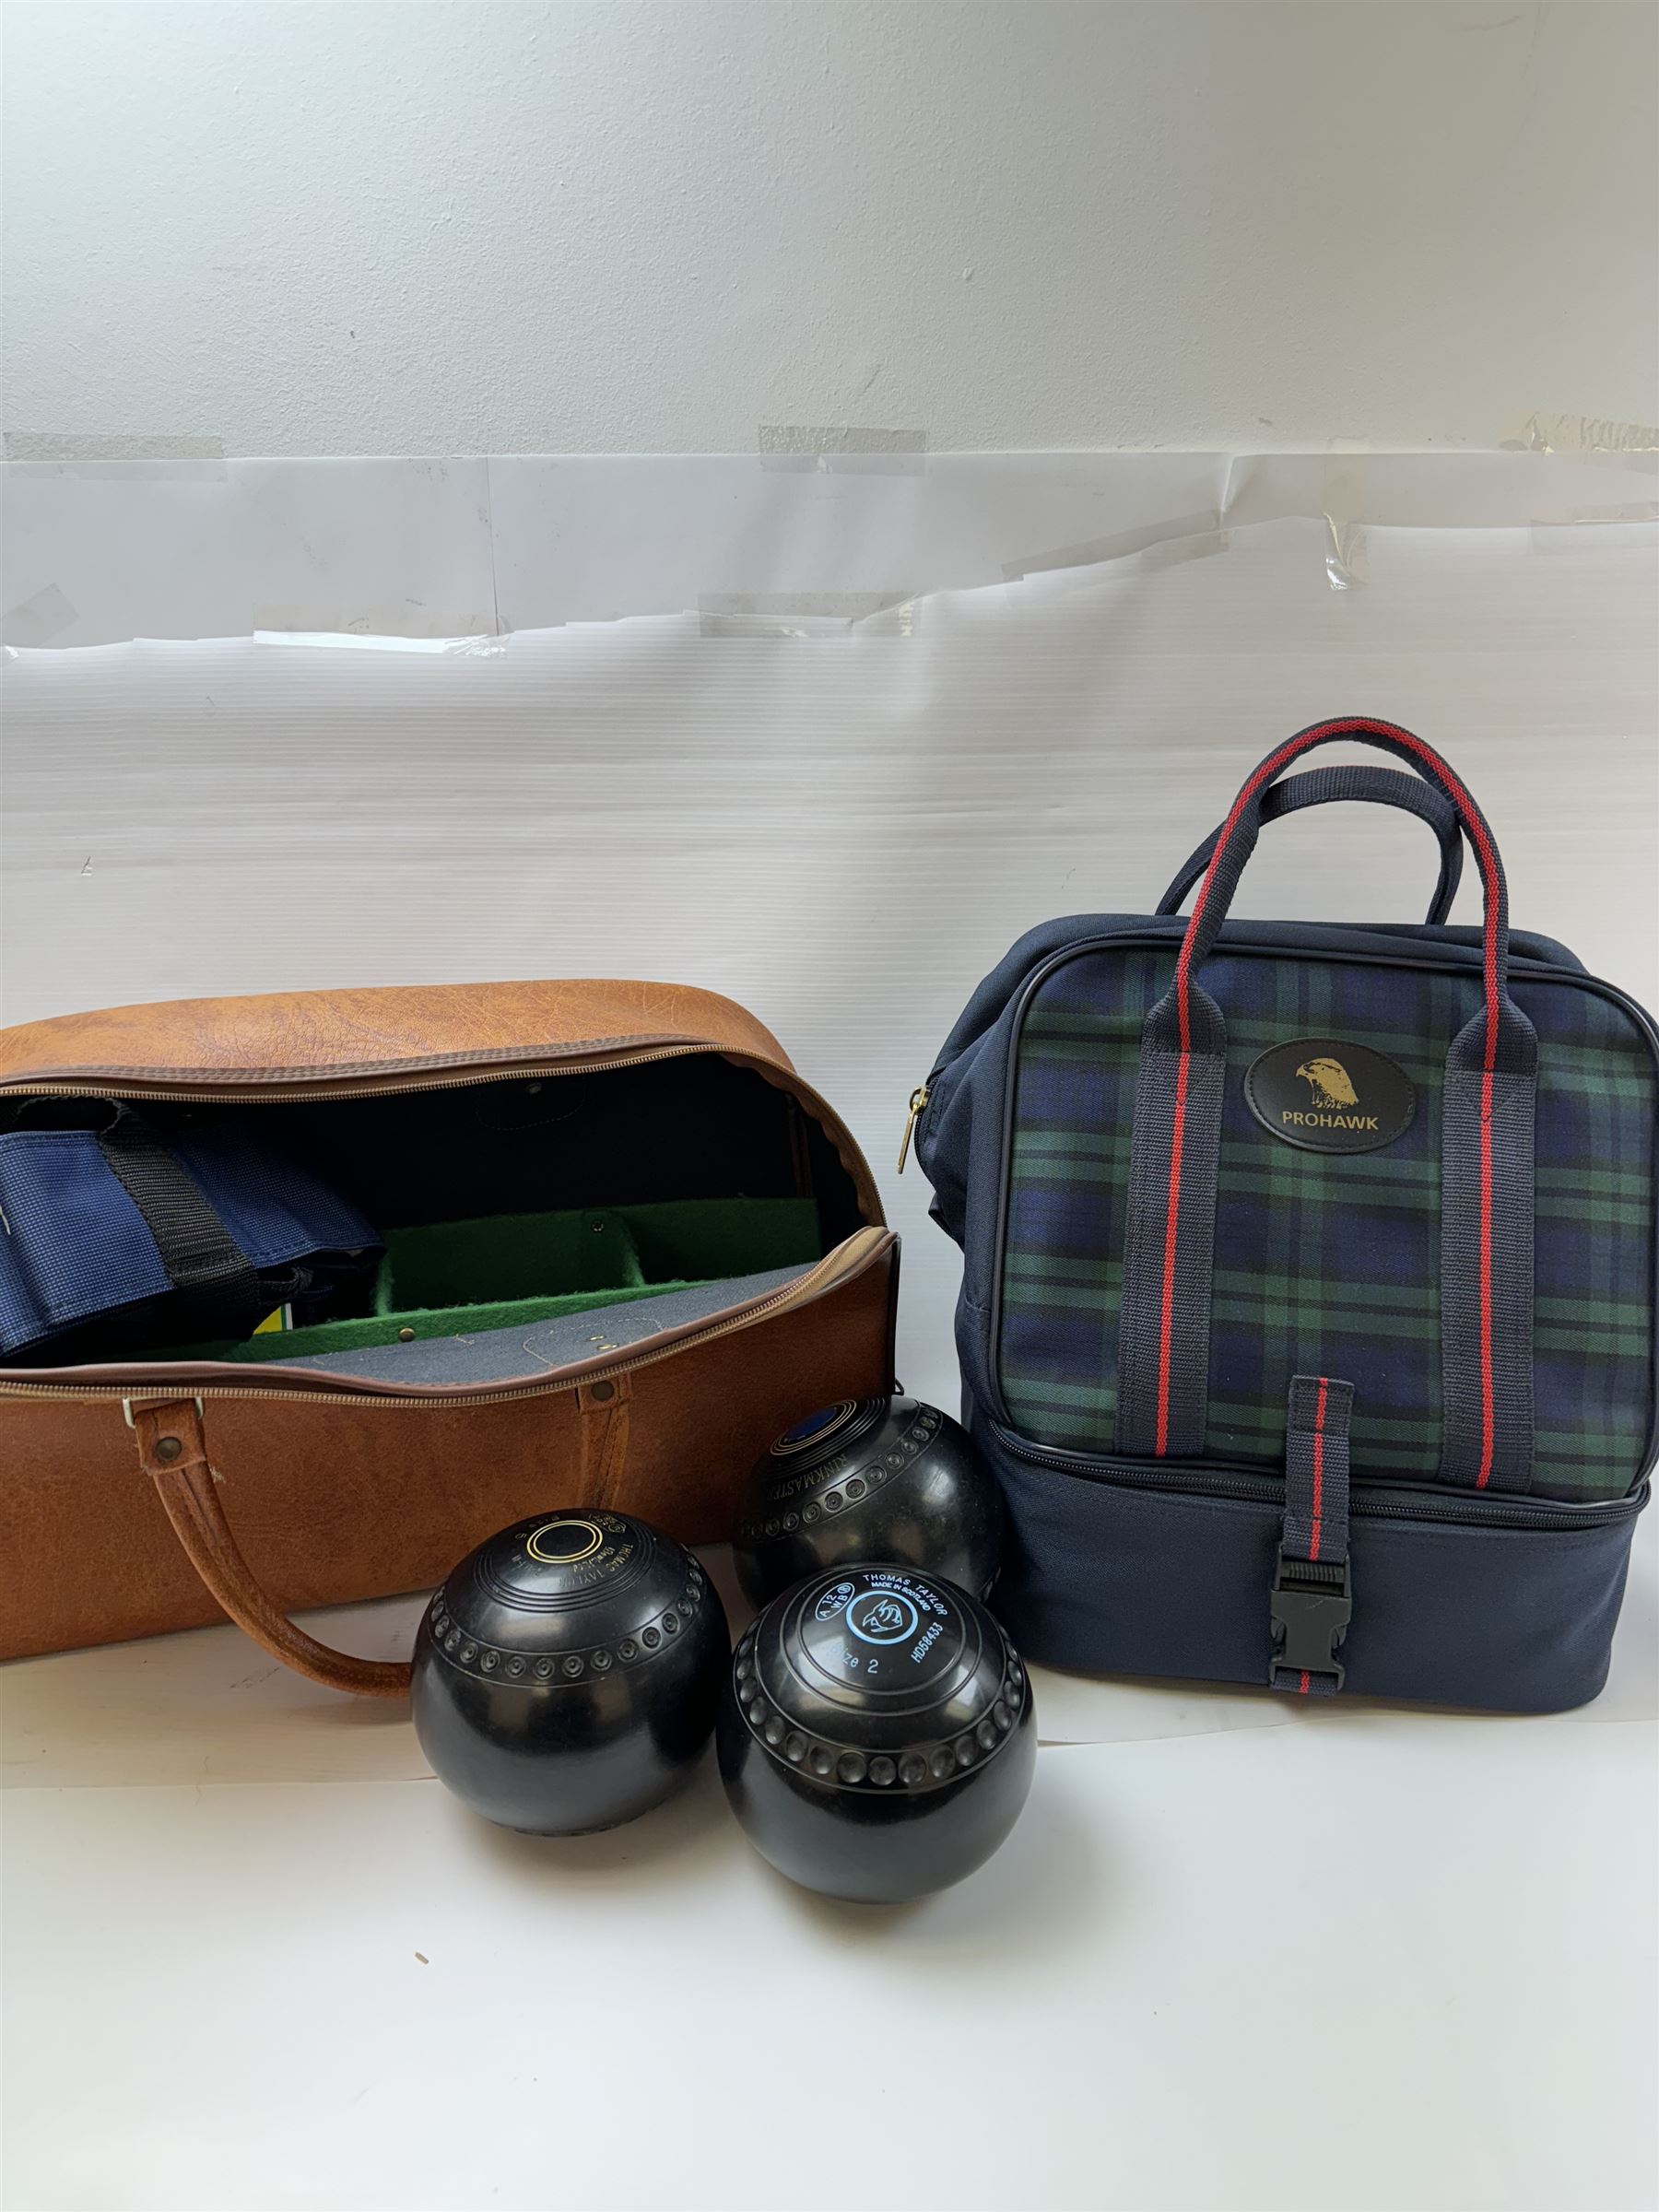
(1325, 1264)
(76, 1244)
(1329, 1262)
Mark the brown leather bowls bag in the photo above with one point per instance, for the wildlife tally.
(725, 1264)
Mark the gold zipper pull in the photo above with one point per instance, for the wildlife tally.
(918, 1101)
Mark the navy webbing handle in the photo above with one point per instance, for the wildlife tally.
(1487, 1170)
(202, 1260)
(1321, 787)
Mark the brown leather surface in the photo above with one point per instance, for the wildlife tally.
(343, 1498)
(303, 1043)
(290, 1034)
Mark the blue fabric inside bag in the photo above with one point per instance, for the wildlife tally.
(76, 1244)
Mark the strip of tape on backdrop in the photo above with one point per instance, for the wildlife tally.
(136, 457)
(847, 449)
(1629, 445)
(37, 620)
(1348, 561)
(1535, 431)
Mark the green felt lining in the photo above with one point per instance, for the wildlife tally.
(454, 1278)
(513, 1257)
(438, 1321)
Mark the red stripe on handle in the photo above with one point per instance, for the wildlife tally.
(1350, 726)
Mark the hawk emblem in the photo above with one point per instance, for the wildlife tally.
(1328, 1080)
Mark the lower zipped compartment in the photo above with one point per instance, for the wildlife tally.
(1115, 1567)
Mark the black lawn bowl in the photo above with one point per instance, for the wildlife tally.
(568, 1674)
(871, 1478)
(876, 1737)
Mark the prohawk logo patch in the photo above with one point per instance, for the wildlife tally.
(1356, 1099)
(1332, 1088)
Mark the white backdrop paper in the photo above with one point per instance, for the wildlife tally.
(99, 552)
(844, 737)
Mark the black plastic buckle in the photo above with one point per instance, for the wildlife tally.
(1310, 1612)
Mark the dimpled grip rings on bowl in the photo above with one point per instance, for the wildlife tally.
(871, 1478)
(875, 1734)
(567, 1675)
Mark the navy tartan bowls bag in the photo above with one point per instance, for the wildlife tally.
(1308, 1307)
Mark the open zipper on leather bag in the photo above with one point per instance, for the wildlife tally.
(1395, 1501)
(151, 1380)
(849, 1258)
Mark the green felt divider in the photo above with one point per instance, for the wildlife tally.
(708, 1237)
(509, 1257)
(598, 1248)
(452, 1278)
(438, 1321)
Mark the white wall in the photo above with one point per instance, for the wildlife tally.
(451, 228)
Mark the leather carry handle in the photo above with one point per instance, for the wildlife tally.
(173, 1452)
(1323, 786)
(1487, 1170)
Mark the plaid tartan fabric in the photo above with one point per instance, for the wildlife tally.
(1329, 1263)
